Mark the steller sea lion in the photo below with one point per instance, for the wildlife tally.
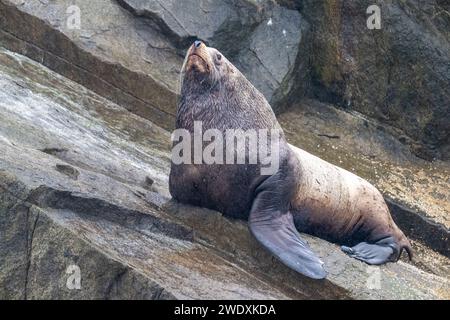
(304, 194)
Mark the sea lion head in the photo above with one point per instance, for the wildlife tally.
(205, 67)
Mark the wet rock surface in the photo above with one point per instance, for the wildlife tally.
(128, 241)
(398, 74)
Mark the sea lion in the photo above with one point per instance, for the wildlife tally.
(304, 194)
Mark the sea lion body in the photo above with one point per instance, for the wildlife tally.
(305, 193)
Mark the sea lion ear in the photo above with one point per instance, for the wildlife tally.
(274, 228)
(230, 68)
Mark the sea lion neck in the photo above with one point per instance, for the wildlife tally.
(196, 87)
(200, 103)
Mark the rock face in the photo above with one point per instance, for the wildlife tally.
(273, 47)
(137, 60)
(116, 55)
(186, 21)
(84, 165)
(260, 37)
(399, 74)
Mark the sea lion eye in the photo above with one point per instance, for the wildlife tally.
(219, 57)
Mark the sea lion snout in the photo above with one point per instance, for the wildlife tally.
(198, 59)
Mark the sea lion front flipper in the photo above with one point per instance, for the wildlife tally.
(376, 253)
(277, 233)
(272, 224)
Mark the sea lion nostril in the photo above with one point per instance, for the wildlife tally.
(197, 43)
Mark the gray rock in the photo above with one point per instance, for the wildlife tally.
(185, 21)
(399, 75)
(261, 38)
(117, 56)
(134, 60)
(273, 48)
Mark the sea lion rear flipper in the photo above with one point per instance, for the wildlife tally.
(277, 233)
(374, 253)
